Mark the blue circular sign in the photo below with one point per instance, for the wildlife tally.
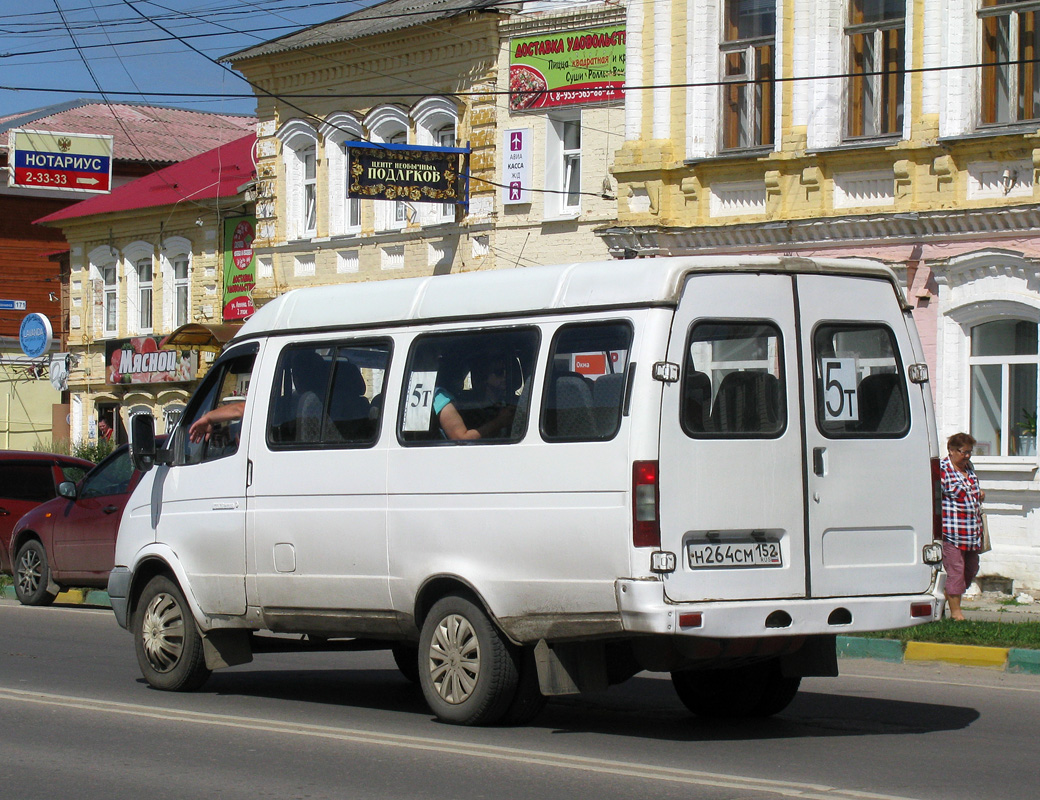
(34, 335)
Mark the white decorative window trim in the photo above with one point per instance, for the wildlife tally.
(989, 180)
(173, 248)
(737, 198)
(338, 128)
(348, 261)
(304, 265)
(296, 137)
(393, 257)
(383, 124)
(865, 188)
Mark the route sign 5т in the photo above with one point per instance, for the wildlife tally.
(71, 162)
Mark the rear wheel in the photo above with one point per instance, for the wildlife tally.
(755, 690)
(529, 700)
(32, 575)
(167, 640)
(468, 671)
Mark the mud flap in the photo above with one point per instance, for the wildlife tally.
(817, 658)
(571, 668)
(226, 648)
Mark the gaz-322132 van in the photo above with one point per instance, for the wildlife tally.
(543, 481)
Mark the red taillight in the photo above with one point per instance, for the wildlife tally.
(646, 527)
(936, 499)
(918, 610)
(691, 620)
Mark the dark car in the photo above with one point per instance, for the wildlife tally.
(26, 480)
(71, 540)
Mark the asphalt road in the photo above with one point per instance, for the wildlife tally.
(79, 721)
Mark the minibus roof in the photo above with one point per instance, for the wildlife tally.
(514, 292)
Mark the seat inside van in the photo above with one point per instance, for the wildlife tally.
(747, 402)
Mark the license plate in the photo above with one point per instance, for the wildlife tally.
(733, 554)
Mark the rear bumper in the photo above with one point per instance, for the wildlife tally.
(644, 610)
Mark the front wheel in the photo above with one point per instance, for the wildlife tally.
(32, 575)
(755, 690)
(167, 640)
(467, 669)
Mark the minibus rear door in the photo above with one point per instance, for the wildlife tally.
(731, 474)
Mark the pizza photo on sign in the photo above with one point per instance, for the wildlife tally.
(527, 86)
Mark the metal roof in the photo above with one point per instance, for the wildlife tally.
(141, 132)
(214, 174)
(391, 15)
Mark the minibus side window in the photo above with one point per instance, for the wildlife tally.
(585, 387)
(860, 388)
(733, 381)
(227, 382)
(469, 387)
(327, 394)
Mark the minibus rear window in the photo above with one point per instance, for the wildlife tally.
(733, 381)
(860, 387)
(328, 394)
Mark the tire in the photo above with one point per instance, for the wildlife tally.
(528, 701)
(406, 656)
(167, 640)
(32, 575)
(468, 671)
(752, 691)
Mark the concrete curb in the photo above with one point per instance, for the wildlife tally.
(1008, 659)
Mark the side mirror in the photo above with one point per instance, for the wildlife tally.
(142, 442)
(67, 489)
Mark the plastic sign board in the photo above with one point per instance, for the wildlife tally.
(401, 172)
(142, 360)
(567, 68)
(516, 166)
(239, 268)
(68, 162)
(12, 305)
(34, 335)
(840, 394)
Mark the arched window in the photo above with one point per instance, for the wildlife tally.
(104, 276)
(344, 211)
(436, 124)
(388, 124)
(138, 271)
(176, 282)
(300, 162)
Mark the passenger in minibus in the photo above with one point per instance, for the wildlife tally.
(202, 427)
(495, 409)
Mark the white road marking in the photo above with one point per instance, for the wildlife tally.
(807, 791)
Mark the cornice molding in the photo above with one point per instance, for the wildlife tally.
(894, 228)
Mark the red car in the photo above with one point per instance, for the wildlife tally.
(71, 540)
(26, 480)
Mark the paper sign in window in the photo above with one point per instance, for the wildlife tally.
(418, 404)
(840, 396)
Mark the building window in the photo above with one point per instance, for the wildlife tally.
(110, 305)
(143, 267)
(876, 41)
(1010, 33)
(309, 217)
(351, 205)
(445, 137)
(563, 165)
(748, 42)
(300, 162)
(180, 290)
(1003, 366)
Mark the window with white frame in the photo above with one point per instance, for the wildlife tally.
(143, 268)
(1010, 90)
(300, 162)
(180, 291)
(388, 124)
(344, 210)
(175, 278)
(563, 165)
(445, 137)
(748, 91)
(110, 301)
(1003, 405)
(876, 38)
(436, 121)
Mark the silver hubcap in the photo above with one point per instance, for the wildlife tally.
(30, 572)
(162, 631)
(454, 659)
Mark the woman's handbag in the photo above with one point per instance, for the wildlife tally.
(986, 545)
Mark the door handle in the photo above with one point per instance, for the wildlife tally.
(4, 512)
(817, 460)
(110, 509)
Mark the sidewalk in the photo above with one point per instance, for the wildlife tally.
(987, 607)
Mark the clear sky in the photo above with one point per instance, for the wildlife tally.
(141, 51)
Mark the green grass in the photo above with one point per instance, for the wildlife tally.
(974, 632)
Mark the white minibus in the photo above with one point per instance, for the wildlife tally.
(543, 481)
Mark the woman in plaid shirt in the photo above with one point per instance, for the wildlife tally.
(962, 519)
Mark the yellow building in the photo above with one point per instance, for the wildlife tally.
(423, 74)
(905, 131)
(144, 261)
